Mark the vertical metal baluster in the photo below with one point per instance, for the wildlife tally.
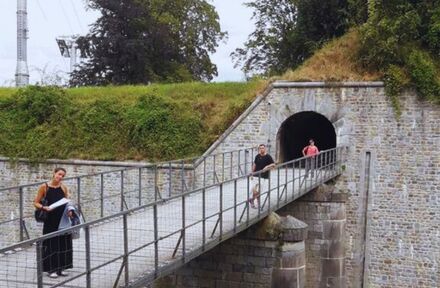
(78, 185)
(39, 259)
(294, 178)
(278, 186)
(221, 211)
(156, 238)
(238, 163)
(204, 171)
(140, 187)
(231, 160)
(182, 172)
(214, 173)
(21, 213)
(204, 217)
(223, 167)
(127, 278)
(269, 192)
(88, 265)
(235, 205)
(122, 190)
(248, 198)
(193, 178)
(101, 194)
(259, 195)
(183, 229)
(170, 179)
(286, 172)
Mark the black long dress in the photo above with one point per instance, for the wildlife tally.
(57, 251)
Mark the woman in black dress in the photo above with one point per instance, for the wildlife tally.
(57, 251)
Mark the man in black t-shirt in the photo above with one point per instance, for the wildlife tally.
(263, 163)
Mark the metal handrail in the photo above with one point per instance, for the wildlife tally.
(145, 192)
(328, 165)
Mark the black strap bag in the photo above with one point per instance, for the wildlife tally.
(40, 214)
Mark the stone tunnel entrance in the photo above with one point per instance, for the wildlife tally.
(296, 130)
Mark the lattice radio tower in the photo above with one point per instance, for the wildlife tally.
(22, 72)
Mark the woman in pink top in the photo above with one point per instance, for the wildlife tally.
(310, 151)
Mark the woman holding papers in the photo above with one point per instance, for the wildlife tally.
(57, 251)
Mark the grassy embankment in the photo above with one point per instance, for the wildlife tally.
(154, 122)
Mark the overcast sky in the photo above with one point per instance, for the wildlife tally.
(49, 19)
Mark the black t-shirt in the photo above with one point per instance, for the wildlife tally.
(261, 162)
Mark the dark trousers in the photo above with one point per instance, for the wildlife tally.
(310, 166)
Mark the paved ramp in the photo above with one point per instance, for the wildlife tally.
(136, 246)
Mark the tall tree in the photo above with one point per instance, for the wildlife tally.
(289, 31)
(142, 41)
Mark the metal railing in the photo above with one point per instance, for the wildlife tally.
(137, 245)
(106, 193)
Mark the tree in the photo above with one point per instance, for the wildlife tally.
(142, 41)
(289, 31)
(402, 40)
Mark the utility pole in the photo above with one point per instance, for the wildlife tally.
(68, 48)
(22, 72)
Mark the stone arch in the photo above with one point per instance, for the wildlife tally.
(296, 130)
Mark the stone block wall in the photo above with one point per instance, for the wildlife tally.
(392, 173)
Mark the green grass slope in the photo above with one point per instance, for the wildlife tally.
(155, 122)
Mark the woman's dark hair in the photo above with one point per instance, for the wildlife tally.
(59, 169)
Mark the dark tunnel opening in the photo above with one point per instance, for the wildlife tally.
(295, 132)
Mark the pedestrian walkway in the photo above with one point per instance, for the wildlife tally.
(136, 246)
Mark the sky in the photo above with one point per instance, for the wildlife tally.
(49, 19)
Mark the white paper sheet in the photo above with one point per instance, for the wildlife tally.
(59, 203)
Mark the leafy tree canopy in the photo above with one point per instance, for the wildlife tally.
(288, 31)
(402, 39)
(142, 41)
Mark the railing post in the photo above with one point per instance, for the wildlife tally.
(21, 213)
(235, 205)
(259, 195)
(140, 187)
(127, 278)
(214, 173)
(293, 181)
(269, 191)
(78, 192)
(182, 175)
(170, 179)
(221, 211)
(278, 186)
(232, 163)
(122, 190)
(204, 217)
(204, 171)
(39, 259)
(248, 198)
(88, 265)
(183, 229)
(223, 166)
(156, 238)
(101, 194)
(238, 163)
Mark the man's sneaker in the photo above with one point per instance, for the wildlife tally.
(53, 275)
(63, 273)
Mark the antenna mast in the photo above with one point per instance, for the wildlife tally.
(22, 72)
